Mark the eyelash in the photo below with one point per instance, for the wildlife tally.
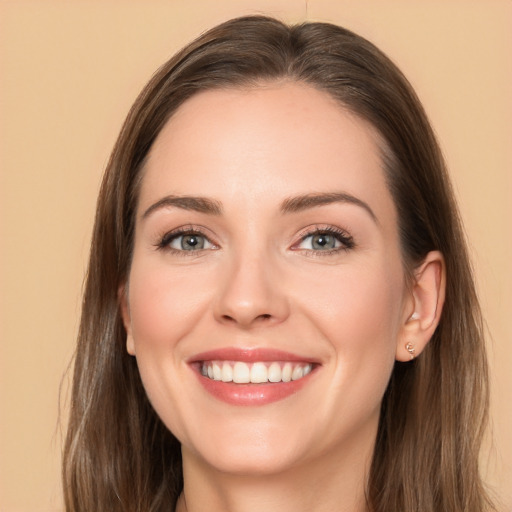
(168, 238)
(346, 240)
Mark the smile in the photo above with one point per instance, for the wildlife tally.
(253, 377)
(240, 372)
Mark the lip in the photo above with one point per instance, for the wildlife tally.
(250, 355)
(251, 394)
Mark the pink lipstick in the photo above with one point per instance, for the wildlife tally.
(252, 376)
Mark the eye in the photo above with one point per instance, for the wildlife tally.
(320, 242)
(186, 241)
(327, 240)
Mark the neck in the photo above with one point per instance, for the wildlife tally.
(322, 485)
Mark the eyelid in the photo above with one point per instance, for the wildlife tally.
(164, 241)
(346, 240)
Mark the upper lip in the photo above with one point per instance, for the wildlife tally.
(249, 355)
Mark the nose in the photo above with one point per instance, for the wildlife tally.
(251, 294)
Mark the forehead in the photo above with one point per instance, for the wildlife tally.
(273, 140)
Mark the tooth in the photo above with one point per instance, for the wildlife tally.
(287, 373)
(241, 373)
(217, 372)
(297, 373)
(259, 373)
(274, 373)
(307, 369)
(204, 370)
(210, 371)
(227, 372)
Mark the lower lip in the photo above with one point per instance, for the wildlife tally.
(252, 394)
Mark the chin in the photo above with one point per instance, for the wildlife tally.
(240, 449)
(250, 460)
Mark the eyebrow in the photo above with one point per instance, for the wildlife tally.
(198, 204)
(289, 205)
(304, 202)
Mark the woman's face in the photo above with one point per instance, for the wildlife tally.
(266, 252)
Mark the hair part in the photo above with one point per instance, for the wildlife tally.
(118, 454)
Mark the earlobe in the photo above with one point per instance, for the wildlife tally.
(424, 308)
(130, 346)
(122, 295)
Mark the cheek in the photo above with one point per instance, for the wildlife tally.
(360, 321)
(359, 317)
(165, 305)
(362, 303)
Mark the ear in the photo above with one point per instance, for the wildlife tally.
(423, 307)
(122, 296)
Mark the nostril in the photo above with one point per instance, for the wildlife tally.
(263, 317)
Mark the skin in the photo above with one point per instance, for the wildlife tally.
(258, 283)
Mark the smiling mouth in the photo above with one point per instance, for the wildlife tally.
(239, 372)
(253, 377)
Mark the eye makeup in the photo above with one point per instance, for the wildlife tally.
(318, 240)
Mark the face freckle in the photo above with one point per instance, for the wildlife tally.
(266, 234)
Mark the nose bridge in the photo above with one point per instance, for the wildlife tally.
(250, 292)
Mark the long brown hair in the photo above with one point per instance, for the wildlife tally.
(118, 454)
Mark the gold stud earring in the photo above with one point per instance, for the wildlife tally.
(410, 348)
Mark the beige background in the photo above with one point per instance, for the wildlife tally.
(70, 70)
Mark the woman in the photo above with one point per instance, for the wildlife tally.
(279, 310)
